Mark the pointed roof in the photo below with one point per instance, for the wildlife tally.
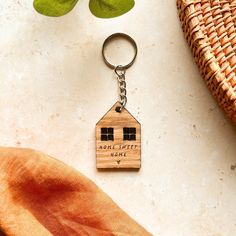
(118, 118)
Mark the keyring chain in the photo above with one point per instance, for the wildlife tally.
(120, 72)
(121, 69)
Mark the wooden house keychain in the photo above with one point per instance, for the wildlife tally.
(118, 133)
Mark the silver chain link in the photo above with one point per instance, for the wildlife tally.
(120, 72)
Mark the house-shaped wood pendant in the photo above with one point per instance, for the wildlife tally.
(118, 140)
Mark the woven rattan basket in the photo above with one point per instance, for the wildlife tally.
(210, 29)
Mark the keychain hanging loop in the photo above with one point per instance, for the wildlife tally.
(120, 70)
(118, 35)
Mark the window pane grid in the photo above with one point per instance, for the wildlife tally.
(107, 134)
(129, 134)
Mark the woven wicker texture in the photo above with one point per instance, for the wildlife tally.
(210, 29)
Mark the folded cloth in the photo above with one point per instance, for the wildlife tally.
(41, 196)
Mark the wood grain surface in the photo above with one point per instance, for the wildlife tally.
(118, 153)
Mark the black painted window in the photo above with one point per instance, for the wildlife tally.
(129, 134)
(107, 134)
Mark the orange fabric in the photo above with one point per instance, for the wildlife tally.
(41, 196)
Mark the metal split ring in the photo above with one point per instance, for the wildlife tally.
(127, 37)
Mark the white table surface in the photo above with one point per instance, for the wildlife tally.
(55, 87)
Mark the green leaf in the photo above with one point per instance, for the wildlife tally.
(110, 8)
(54, 7)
